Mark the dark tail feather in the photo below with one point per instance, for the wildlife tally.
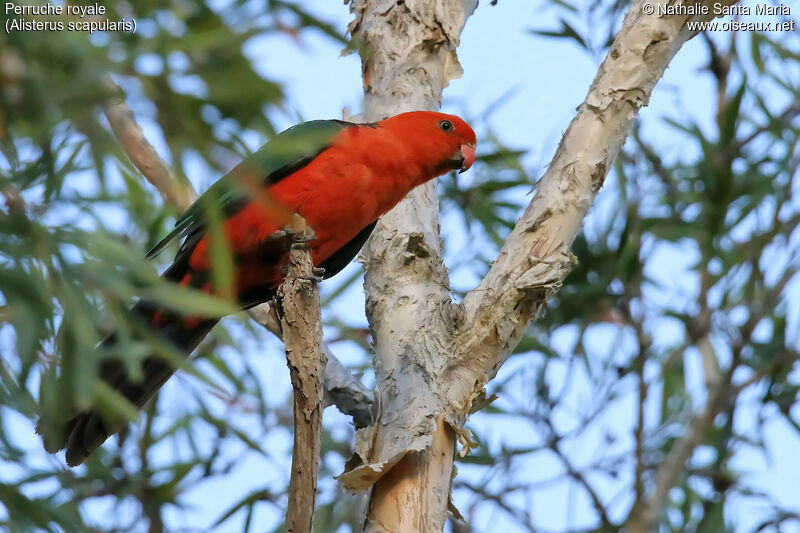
(85, 432)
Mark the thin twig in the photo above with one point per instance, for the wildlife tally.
(646, 512)
(300, 320)
(141, 152)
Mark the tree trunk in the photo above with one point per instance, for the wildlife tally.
(409, 57)
(433, 357)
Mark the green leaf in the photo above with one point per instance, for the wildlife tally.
(729, 119)
(566, 32)
(188, 301)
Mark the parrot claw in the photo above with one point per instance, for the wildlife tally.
(298, 230)
(301, 237)
(319, 271)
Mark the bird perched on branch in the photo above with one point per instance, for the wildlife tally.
(337, 177)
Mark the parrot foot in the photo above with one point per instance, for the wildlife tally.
(319, 271)
(312, 279)
(302, 239)
(298, 230)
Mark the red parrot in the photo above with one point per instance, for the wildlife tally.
(340, 177)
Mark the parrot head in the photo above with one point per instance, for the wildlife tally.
(444, 142)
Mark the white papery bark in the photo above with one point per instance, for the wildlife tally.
(408, 56)
(433, 357)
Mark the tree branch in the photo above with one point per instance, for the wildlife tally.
(432, 357)
(535, 259)
(142, 154)
(301, 325)
(645, 512)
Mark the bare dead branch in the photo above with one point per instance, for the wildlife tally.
(142, 154)
(645, 511)
(344, 391)
(301, 326)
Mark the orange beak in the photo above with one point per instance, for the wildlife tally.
(467, 156)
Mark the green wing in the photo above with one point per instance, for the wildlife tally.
(284, 154)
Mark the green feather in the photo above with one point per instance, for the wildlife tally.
(283, 155)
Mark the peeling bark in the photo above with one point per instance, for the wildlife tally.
(424, 476)
(301, 326)
(432, 357)
(408, 54)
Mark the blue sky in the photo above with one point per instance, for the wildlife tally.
(536, 83)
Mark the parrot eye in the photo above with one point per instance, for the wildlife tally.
(446, 125)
